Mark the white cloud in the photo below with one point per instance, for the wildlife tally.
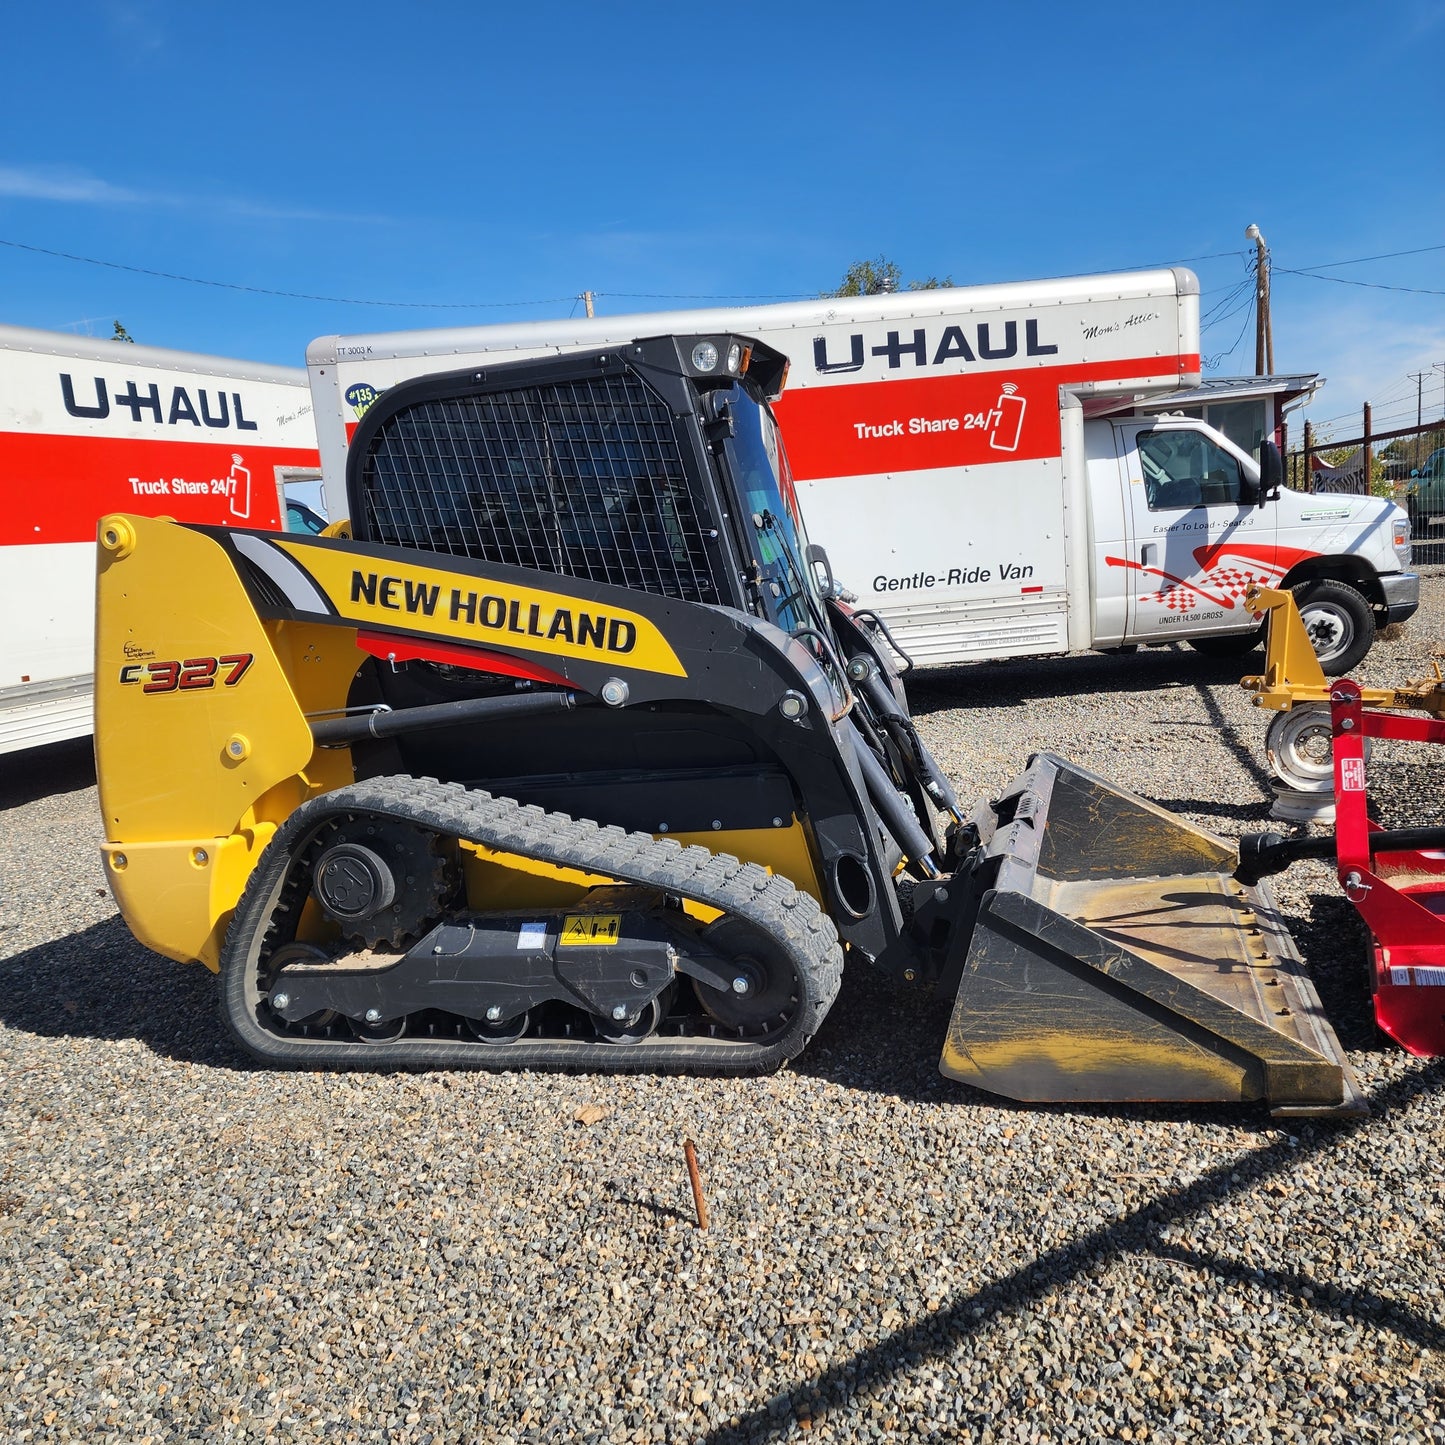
(135, 26)
(59, 183)
(64, 184)
(1369, 351)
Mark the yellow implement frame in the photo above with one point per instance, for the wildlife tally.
(1292, 674)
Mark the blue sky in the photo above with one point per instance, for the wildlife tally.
(511, 156)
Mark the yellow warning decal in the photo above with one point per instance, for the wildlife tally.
(598, 929)
(488, 613)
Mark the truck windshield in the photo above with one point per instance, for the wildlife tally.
(770, 505)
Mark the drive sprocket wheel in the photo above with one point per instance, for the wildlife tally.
(382, 881)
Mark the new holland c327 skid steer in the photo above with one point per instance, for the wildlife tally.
(563, 755)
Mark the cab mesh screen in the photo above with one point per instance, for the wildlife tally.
(582, 478)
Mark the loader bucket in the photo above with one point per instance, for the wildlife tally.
(1116, 959)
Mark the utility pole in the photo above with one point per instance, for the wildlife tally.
(1416, 448)
(1366, 452)
(1263, 328)
(1419, 379)
(587, 302)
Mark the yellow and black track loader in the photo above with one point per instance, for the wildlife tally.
(564, 753)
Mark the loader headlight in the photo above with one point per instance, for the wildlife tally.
(705, 356)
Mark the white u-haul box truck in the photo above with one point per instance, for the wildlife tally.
(969, 460)
(89, 427)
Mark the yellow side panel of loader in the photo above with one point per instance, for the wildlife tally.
(202, 744)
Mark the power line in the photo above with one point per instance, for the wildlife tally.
(701, 296)
(1373, 285)
(1224, 307)
(288, 295)
(1209, 363)
(1242, 303)
(1383, 256)
(463, 305)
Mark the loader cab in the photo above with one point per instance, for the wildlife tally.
(654, 467)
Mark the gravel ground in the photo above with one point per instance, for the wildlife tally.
(190, 1247)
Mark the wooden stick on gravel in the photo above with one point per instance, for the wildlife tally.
(689, 1150)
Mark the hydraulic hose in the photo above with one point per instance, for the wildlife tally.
(341, 731)
(897, 815)
(935, 784)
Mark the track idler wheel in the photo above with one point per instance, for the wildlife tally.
(296, 952)
(764, 994)
(634, 1031)
(380, 1032)
(499, 1031)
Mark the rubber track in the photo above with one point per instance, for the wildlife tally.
(717, 880)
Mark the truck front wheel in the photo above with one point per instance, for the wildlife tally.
(1339, 621)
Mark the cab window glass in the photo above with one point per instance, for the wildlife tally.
(1185, 469)
(778, 541)
(1241, 421)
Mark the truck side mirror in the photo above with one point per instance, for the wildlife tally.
(1271, 473)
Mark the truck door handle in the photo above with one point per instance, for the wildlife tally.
(1146, 554)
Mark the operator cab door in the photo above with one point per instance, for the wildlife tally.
(1195, 536)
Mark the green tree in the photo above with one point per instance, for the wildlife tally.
(870, 278)
(121, 334)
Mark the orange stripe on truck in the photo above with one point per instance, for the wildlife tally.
(58, 487)
(919, 423)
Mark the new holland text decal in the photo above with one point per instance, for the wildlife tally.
(484, 613)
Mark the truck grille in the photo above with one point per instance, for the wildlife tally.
(582, 478)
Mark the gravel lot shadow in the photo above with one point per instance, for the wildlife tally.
(1149, 1229)
(1017, 682)
(884, 1042)
(100, 983)
(39, 772)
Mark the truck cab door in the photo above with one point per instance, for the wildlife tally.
(1196, 536)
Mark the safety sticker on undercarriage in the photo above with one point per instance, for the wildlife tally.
(597, 929)
(532, 935)
(1423, 977)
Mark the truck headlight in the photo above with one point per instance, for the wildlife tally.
(704, 356)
